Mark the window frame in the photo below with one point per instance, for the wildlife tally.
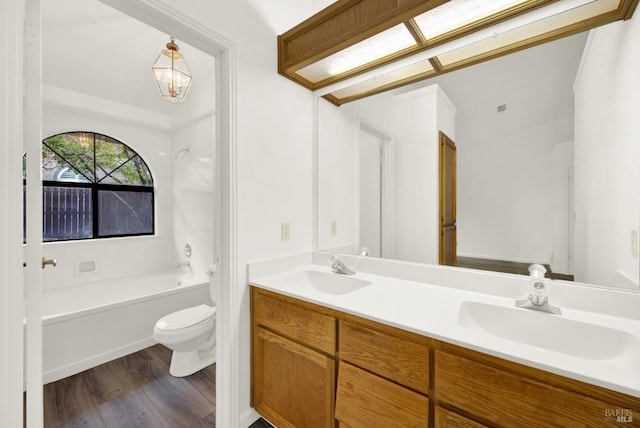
(96, 187)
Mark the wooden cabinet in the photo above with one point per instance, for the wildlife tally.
(313, 367)
(524, 397)
(383, 376)
(293, 365)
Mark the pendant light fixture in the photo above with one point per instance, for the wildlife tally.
(172, 73)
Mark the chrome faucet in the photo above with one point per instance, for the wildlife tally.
(338, 267)
(183, 264)
(538, 299)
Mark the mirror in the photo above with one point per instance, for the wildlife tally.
(544, 174)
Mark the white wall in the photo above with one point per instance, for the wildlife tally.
(115, 256)
(561, 206)
(505, 193)
(412, 120)
(337, 149)
(419, 116)
(192, 192)
(607, 152)
(274, 129)
(193, 185)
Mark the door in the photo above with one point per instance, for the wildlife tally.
(33, 218)
(448, 228)
(292, 385)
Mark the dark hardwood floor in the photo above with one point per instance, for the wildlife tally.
(506, 267)
(133, 391)
(261, 423)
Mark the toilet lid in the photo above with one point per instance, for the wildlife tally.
(186, 318)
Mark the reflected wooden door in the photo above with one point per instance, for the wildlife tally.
(448, 227)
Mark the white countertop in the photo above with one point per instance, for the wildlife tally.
(433, 311)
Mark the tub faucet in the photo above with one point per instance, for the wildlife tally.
(538, 299)
(183, 264)
(338, 267)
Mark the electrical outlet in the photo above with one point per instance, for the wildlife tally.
(634, 243)
(334, 227)
(284, 231)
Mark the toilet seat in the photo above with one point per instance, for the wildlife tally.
(186, 318)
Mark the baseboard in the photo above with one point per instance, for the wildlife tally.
(96, 360)
(248, 417)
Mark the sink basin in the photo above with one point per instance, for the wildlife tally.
(547, 331)
(325, 282)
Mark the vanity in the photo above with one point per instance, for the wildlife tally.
(388, 348)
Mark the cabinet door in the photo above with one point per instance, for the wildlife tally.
(365, 400)
(447, 419)
(293, 386)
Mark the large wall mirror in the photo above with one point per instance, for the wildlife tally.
(548, 162)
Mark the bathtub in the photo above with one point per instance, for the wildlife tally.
(92, 323)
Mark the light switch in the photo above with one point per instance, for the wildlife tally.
(334, 227)
(634, 243)
(284, 231)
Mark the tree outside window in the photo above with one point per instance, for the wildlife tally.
(94, 187)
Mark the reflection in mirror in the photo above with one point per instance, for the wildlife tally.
(547, 163)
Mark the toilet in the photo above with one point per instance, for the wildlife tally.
(190, 333)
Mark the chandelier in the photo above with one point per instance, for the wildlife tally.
(172, 74)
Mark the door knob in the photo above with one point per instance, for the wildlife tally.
(46, 262)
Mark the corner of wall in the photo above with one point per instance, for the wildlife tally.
(583, 60)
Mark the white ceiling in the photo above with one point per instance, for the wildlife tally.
(536, 85)
(91, 48)
(282, 15)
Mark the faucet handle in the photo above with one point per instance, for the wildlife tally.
(338, 267)
(334, 261)
(538, 293)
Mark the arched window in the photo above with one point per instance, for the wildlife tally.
(94, 187)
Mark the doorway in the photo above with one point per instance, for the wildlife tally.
(370, 158)
(376, 192)
(448, 227)
(170, 22)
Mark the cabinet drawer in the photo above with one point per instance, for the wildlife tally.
(404, 360)
(447, 419)
(364, 400)
(508, 399)
(294, 320)
(293, 386)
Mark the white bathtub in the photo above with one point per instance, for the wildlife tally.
(92, 323)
